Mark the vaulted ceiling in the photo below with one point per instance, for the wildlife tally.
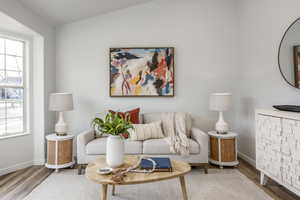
(59, 12)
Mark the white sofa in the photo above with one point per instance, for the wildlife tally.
(89, 147)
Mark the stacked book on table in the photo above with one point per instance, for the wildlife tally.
(162, 164)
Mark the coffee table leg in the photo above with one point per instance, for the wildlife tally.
(104, 192)
(183, 187)
(113, 190)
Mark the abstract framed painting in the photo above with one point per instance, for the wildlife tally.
(142, 72)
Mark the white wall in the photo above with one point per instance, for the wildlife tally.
(262, 25)
(22, 151)
(25, 16)
(203, 32)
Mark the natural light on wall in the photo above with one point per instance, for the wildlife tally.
(12, 87)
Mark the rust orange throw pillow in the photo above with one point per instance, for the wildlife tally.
(133, 115)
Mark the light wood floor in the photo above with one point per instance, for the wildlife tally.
(276, 191)
(16, 185)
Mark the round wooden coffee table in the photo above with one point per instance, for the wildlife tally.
(180, 168)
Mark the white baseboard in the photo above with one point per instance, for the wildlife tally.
(39, 162)
(247, 158)
(16, 167)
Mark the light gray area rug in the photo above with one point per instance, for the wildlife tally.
(218, 184)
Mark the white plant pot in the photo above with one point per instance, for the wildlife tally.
(114, 151)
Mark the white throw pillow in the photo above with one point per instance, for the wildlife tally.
(146, 131)
(151, 117)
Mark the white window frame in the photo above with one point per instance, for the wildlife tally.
(26, 84)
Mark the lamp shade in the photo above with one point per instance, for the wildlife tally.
(220, 101)
(61, 102)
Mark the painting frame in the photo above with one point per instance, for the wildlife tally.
(140, 48)
(296, 52)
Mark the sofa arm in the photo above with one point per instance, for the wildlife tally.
(82, 140)
(202, 139)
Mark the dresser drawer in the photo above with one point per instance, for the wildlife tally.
(297, 177)
(264, 122)
(297, 130)
(291, 127)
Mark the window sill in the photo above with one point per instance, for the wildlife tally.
(14, 135)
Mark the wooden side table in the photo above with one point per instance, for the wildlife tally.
(59, 151)
(223, 149)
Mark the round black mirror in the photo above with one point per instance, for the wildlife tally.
(289, 54)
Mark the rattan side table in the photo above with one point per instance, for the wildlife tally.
(59, 151)
(223, 149)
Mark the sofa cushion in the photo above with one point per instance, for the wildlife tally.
(161, 146)
(146, 131)
(132, 114)
(98, 147)
(103, 114)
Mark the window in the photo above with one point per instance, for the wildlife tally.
(12, 87)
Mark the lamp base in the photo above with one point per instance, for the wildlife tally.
(221, 126)
(61, 128)
(222, 129)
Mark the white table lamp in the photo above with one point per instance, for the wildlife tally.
(220, 102)
(61, 102)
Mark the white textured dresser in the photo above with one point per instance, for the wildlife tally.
(278, 147)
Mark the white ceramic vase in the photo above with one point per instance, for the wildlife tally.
(114, 151)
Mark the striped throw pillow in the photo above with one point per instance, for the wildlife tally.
(146, 131)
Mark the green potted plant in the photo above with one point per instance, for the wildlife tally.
(117, 128)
